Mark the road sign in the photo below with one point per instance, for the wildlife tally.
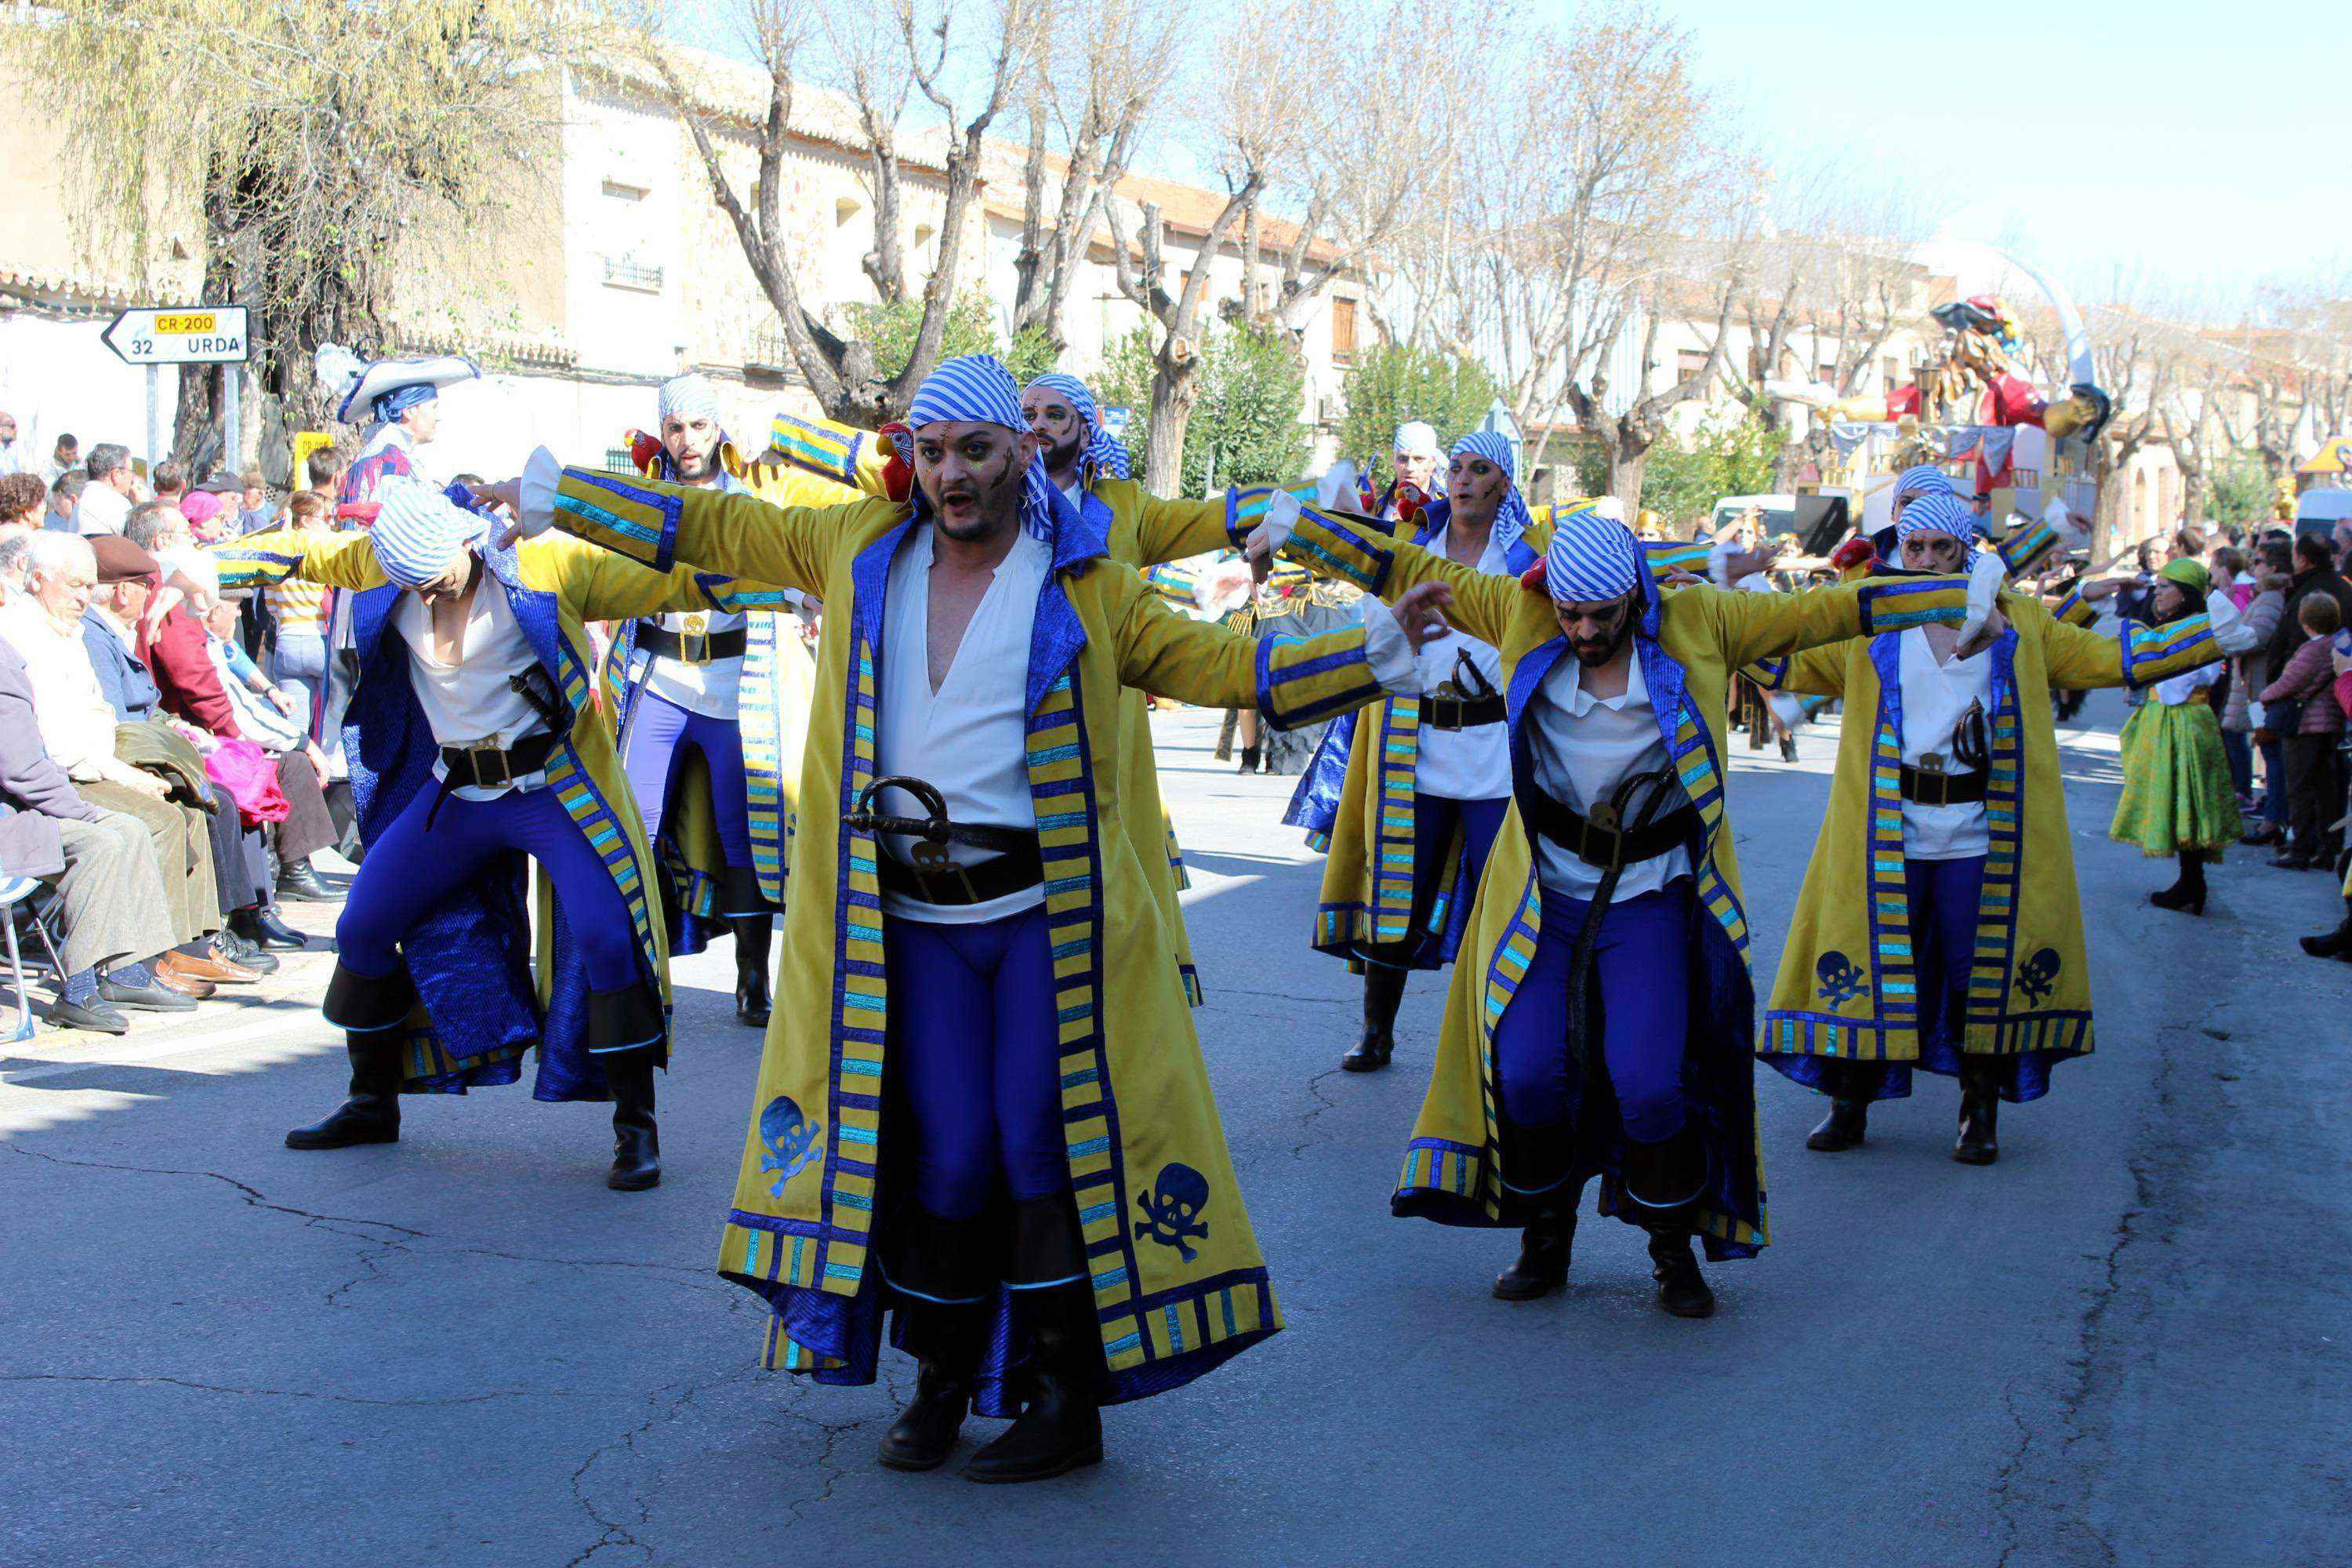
(194, 334)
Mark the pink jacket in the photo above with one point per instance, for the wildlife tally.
(2310, 675)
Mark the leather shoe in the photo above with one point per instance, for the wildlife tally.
(143, 998)
(213, 966)
(244, 954)
(1844, 1127)
(181, 985)
(93, 1015)
(1681, 1288)
(2291, 863)
(300, 883)
(262, 928)
(1541, 1266)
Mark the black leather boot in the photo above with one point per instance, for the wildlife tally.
(629, 1037)
(1383, 995)
(1980, 1112)
(2337, 943)
(1681, 1288)
(945, 1338)
(371, 1011)
(1542, 1265)
(1249, 760)
(751, 1003)
(637, 1140)
(1666, 1181)
(1848, 1117)
(1060, 1427)
(260, 926)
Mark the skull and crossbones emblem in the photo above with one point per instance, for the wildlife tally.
(787, 1141)
(1840, 979)
(1172, 1209)
(2037, 976)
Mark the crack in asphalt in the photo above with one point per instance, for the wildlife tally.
(293, 1393)
(1323, 1102)
(252, 1196)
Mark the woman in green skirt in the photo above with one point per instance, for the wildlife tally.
(2177, 800)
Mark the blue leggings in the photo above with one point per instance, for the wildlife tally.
(1434, 817)
(410, 868)
(975, 1056)
(1944, 897)
(659, 732)
(1642, 962)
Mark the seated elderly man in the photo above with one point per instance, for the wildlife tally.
(78, 728)
(171, 642)
(102, 865)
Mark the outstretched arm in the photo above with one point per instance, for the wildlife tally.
(1816, 672)
(1290, 680)
(1752, 626)
(660, 525)
(312, 556)
(2079, 660)
(840, 454)
(601, 586)
(1332, 546)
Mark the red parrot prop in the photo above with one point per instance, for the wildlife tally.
(898, 473)
(643, 450)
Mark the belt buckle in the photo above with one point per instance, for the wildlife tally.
(1602, 819)
(694, 648)
(488, 747)
(1931, 766)
(934, 860)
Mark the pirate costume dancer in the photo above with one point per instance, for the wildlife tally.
(1599, 1021)
(989, 1121)
(711, 707)
(1938, 926)
(1406, 798)
(475, 749)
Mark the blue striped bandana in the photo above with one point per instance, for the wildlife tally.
(1104, 454)
(418, 529)
(1592, 559)
(1512, 518)
(1925, 479)
(977, 389)
(1940, 511)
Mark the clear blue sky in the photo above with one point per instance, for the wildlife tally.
(2192, 143)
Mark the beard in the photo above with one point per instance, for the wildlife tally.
(1065, 455)
(992, 504)
(695, 466)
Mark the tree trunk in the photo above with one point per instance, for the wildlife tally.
(1175, 387)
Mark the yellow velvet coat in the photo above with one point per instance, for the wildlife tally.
(1846, 989)
(1689, 642)
(1141, 531)
(470, 1027)
(818, 1164)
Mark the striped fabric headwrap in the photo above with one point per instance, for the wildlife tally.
(1511, 518)
(1940, 511)
(419, 529)
(977, 390)
(1925, 479)
(401, 399)
(689, 397)
(1105, 453)
(1593, 559)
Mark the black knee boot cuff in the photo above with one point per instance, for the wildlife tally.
(360, 1004)
(739, 895)
(1667, 1178)
(950, 1262)
(625, 1020)
(1047, 1248)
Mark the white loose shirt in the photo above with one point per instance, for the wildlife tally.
(1583, 746)
(970, 739)
(711, 688)
(1935, 698)
(102, 509)
(1459, 764)
(470, 701)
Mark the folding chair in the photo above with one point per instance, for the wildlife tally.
(20, 898)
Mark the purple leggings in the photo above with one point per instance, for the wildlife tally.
(659, 732)
(975, 1058)
(410, 867)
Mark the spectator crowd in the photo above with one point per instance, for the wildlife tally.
(169, 759)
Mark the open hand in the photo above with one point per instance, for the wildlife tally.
(1419, 613)
(1984, 637)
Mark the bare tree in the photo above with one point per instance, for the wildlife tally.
(1563, 275)
(1101, 70)
(316, 144)
(918, 51)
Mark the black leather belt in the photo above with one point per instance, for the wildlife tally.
(488, 766)
(935, 877)
(1599, 844)
(1923, 787)
(1461, 712)
(691, 649)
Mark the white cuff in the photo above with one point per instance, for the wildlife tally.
(1390, 653)
(1280, 522)
(1985, 581)
(540, 477)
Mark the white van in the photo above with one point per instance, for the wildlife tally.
(1775, 515)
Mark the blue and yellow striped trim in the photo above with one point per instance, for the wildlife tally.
(1245, 507)
(1892, 604)
(820, 447)
(1329, 545)
(625, 516)
(2025, 550)
(1666, 556)
(2157, 653)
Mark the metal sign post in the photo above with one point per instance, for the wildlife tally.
(194, 334)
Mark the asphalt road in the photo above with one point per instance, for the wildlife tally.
(2125, 1343)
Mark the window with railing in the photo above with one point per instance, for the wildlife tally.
(767, 350)
(617, 461)
(627, 272)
